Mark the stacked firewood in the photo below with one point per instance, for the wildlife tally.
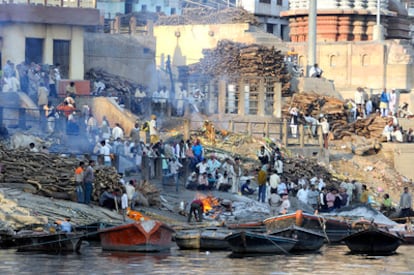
(334, 110)
(53, 175)
(296, 168)
(114, 85)
(235, 60)
(208, 16)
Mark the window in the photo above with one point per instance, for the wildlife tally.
(332, 61)
(265, 1)
(364, 60)
(279, 2)
(144, 8)
(158, 9)
(172, 11)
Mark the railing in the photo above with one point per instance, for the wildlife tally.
(278, 130)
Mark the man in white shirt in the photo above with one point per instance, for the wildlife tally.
(315, 71)
(117, 132)
(105, 151)
(359, 101)
(302, 194)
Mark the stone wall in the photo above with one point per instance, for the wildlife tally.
(106, 106)
(129, 56)
(367, 64)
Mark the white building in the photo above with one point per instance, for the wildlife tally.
(268, 14)
(109, 8)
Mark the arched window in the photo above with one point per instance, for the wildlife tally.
(364, 60)
(332, 61)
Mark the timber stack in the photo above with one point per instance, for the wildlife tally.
(114, 84)
(53, 175)
(238, 60)
(205, 15)
(335, 111)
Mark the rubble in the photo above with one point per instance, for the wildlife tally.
(202, 16)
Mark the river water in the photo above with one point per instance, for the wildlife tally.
(92, 260)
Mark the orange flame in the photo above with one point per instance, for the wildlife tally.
(208, 201)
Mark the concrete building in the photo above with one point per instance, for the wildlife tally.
(268, 15)
(45, 34)
(110, 8)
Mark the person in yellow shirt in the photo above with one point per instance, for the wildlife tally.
(364, 194)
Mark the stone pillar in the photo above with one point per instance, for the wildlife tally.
(301, 136)
(231, 125)
(311, 34)
(277, 100)
(344, 29)
(249, 128)
(358, 30)
(76, 63)
(48, 46)
(285, 133)
(241, 106)
(133, 25)
(222, 97)
(261, 98)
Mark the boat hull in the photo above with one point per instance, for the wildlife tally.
(144, 236)
(46, 242)
(214, 240)
(373, 242)
(308, 240)
(333, 229)
(188, 239)
(250, 242)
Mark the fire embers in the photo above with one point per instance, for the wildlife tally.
(214, 207)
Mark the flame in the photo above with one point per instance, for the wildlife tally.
(209, 202)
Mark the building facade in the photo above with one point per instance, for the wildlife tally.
(45, 35)
(268, 13)
(110, 8)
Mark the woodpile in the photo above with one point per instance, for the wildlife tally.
(336, 113)
(237, 60)
(114, 85)
(53, 175)
(193, 16)
(296, 168)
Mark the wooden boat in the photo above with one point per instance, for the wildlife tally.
(251, 242)
(207, 239)
(188, 239)
(214, 239)
(48, 242)
(333, 229)
(144, 236)
(308, 240)
(249, 226)
(373, 241)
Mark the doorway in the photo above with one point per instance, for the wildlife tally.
(34, 50)
(61, 51)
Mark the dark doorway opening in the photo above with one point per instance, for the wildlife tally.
(269, 28)
(128, 6)
(61, 51)
(34, 50)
